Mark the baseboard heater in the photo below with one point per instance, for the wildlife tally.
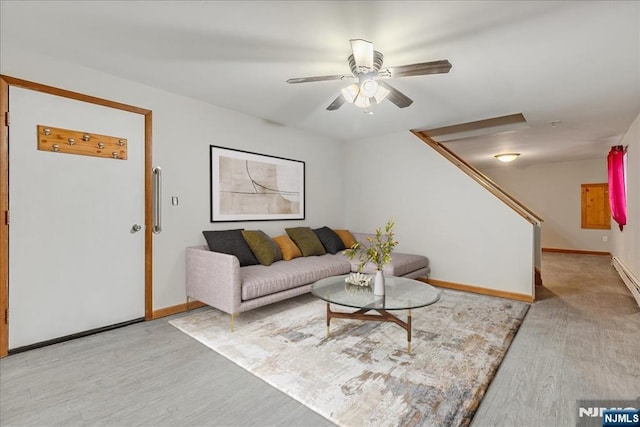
(628, 278)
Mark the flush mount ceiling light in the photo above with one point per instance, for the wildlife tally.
(507, 157)
(366, 66)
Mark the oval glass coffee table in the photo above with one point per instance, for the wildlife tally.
(400, 294)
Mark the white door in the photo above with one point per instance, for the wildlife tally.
(75, 263)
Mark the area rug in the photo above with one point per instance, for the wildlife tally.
(362, 374)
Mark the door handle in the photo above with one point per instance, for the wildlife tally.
(157, 200)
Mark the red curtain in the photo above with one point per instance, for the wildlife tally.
(617, 193)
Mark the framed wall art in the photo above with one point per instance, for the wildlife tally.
(249, 186)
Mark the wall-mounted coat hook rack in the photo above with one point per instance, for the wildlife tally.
(64, 141)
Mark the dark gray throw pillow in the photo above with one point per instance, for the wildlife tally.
(230, 242)
(329, 239)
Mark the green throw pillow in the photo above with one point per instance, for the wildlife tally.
(306, 240)
(263, 247)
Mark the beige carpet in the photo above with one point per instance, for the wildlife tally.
(362, 374)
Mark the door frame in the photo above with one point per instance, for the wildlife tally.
(5, 82)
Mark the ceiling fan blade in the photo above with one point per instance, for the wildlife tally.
(362, 53)
(316, 79)
(420, 69)
(395, 96)
(337, 103)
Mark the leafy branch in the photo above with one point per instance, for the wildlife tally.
(377, 251)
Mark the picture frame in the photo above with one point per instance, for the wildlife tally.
(246, 186)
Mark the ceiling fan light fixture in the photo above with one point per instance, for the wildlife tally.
(362, 101)
(381, 94)
(507, 157)
(369, 88)
(351, 92)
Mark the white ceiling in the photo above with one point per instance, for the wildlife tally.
(576, 62)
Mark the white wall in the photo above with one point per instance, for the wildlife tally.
(183, 129)
(469, 235)
(439, 211)
(552, 190)
(625, 245)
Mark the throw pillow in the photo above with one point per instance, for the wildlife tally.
(230, 242)
(306, 240)
(287, 247)
(346, 237)
(329, 239)
(265, 250)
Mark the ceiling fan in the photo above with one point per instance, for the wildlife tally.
(366, 66)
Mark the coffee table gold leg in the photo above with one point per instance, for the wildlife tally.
(409, 333)
(233, 318)
(328, 321)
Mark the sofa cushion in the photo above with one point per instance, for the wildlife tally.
(330, 240)
(347, 238)
(400, 264)
(260, 280)
(306, 240)
(263, 247)
(230, 242)
(287, 247)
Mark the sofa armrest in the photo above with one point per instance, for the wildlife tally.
(213, 278)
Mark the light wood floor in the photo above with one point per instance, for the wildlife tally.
(580, 341)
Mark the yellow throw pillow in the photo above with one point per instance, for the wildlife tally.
(347, 238)
(287, 247)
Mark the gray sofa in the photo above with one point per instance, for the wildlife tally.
(217, 279)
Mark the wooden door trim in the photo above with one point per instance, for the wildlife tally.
(4, 226)
(5, 82)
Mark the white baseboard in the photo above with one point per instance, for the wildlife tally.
(628, 278)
